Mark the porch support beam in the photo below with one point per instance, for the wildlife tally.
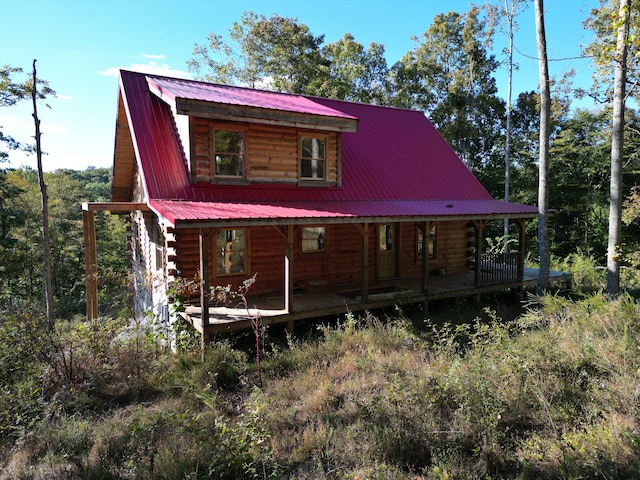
(479, 227)
(203, 240)
(288, 271)
(364, 283)
(90, 263)
(424, 277)
(522, 222)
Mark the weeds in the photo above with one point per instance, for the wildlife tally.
(551, 394)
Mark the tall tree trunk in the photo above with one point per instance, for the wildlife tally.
(48, 289)
(507, 147)
(617, 140)
(543, 166)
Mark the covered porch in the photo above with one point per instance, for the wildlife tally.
(319, 302)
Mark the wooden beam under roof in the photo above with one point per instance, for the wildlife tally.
(236, 113)
(115, 207)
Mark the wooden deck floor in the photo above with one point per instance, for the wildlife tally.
(310, 304)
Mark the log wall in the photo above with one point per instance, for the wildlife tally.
(339, 266)
(271, 153)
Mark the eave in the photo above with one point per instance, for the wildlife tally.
(234, 113)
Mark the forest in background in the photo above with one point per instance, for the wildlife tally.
(549, 394)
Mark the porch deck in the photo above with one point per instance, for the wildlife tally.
(315, 304)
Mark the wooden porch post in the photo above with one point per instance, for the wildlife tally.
(364, 293)
(288, 271)
(479, 226)
(426, 229)
(90, 263)
(203, 238)
(522, 222)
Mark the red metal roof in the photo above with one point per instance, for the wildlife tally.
(174, 88)
(396, 164)
(180, 211)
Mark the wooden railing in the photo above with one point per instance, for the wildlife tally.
(500, 268)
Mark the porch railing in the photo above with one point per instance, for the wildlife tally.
(500, 268)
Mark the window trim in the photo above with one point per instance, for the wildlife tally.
(213, 127)
(310, 180)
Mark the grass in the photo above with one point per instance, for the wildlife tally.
(549, 393)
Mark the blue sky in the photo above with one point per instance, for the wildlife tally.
(80, 45)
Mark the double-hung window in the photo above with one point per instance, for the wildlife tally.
(228, 153)
(313, 159)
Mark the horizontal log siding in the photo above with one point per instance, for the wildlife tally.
(409, 265)
(339, 266)
(271, 152)
(200, 149)
(452, 250)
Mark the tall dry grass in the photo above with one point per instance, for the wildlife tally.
(552, 394)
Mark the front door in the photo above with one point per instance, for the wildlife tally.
(387, 250)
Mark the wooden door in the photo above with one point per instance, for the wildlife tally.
(387, 250)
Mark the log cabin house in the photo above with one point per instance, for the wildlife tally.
(332, 205)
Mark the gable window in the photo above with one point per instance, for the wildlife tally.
(230, 245)
(313, 239)
(312, 158)
(228, 153)
(431, 243)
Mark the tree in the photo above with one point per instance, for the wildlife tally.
(579, 174)
(543, 166)
(617, 145)
(604, 21)
(48, 288)
(12, 211)
(449, 75)
(510, 11)
(277, 53)
(356, 74)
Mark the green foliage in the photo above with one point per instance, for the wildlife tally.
(449, 75)
(21, 243)
(276, 48)
(549, 395)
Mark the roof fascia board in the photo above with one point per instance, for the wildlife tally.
(249, 114)
(180, 224)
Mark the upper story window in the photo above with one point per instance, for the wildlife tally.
(312, 158)
(228, 153)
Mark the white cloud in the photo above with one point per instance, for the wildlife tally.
(151, 67)
(9, 121)
(53, 129)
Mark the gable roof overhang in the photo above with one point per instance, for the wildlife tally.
(239, 104)
(396, 168)
(193, 214)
